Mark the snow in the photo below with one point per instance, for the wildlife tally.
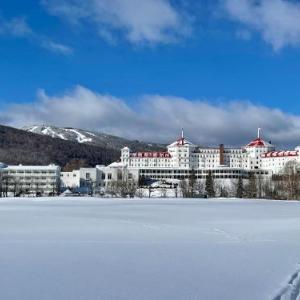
(80, 137)
(62, 133)
(85, 248)
(117, 165)
(50, 167)
(49, 131)
(32, 129)
(61, 136)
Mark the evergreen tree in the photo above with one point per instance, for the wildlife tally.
(192, 183)
(240, 188)
(142, 181)
(184, 188)
(209, 185)
(251, 190)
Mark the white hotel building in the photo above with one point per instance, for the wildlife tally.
(181, 158)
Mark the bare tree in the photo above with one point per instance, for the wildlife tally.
(291, 179)
(199, 188)
(223, 192)
(150, 190)
(139, 193)
(278, 188)
(163, 192)
(129, 188)
(184, 188)
(122, 188)
(112, 189)
(251, 187)
(259, 186)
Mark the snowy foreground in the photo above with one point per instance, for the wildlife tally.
(149, 249)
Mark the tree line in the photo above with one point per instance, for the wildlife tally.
(285, 186)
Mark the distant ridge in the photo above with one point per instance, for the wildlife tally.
(22, 147)
(92, 138)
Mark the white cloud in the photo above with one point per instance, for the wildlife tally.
(19, 28)
(16, 27)
(278, 21)
(55, 47)
(157, 118)
(141, 21)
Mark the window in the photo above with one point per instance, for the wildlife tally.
(87, 176)
(109, 176)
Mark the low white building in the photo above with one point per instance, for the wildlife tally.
(29, 180)
(82, 178)
(117, 171)
(70, 179)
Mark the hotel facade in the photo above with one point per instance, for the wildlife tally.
(182, 158)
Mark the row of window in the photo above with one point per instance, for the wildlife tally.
(108, 176)
(30, 179)
(28, 172)
(180, 177)
(191, 171)
(30, 184)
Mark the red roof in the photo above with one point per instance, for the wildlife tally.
(258, 143)
(181, 142)
(151, 154)
(280, 154)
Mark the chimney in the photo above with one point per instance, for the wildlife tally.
(221, 149)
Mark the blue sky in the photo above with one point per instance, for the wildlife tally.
(203, 52)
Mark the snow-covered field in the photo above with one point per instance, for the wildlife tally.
(149, 249)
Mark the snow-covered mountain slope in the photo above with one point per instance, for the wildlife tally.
(90, 137)
(23, 147)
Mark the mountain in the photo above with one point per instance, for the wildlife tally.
(92, 138)
(22, 147)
